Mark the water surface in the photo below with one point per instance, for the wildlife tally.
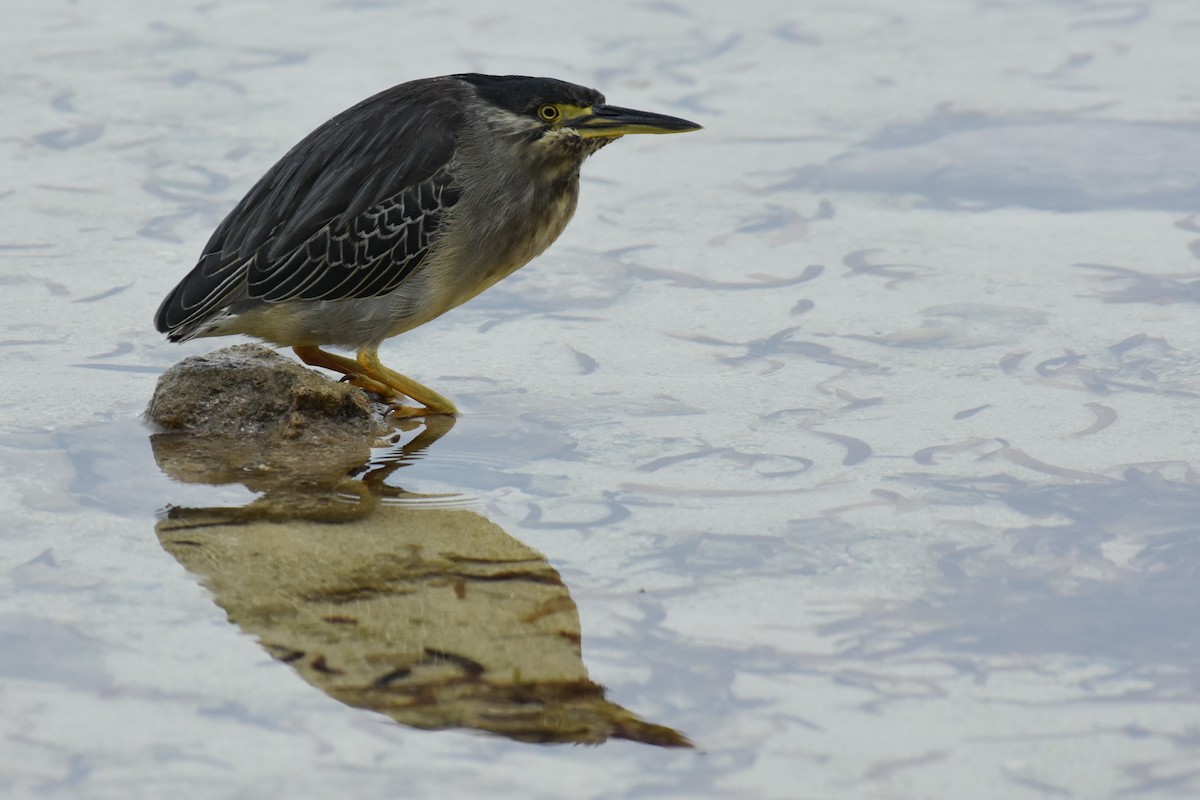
(858, 429)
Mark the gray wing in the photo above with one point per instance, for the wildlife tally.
(350, 211)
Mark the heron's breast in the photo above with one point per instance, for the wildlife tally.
(494, 239)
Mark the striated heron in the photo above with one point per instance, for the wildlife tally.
(396, 211)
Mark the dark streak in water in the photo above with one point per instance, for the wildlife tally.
(690, 281)
(1050, 367)
(802, 307)
(1133, 374)
(792, 32)
(742, 459)
(1136, 12)
(858, 264)
(781, 343)
(857, 450)
(786, 224)
(1105, 416)
(1012, 362)
(1189, 224)
(51, 187)
(63, 101)
(669, 461)
(269, 58)
(122, 349)
(1137, 340)
(102, 295)
(67, 138)
(1145, 287)
(1023, 459)
(162, 228)
(587, 364)
(883, 497)
(926, 454)
(177, 189)
(53, 287)
(854, 403)
(970, 412)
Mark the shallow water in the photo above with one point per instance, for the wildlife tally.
(857, 430)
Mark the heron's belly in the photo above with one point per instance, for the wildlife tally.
(456, 270)
(352, 322)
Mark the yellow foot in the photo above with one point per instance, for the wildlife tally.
(368, 361)
(367, 373)
(409, 412)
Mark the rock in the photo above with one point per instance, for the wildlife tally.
(248, 415)
(249, 389)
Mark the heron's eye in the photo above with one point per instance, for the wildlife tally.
(549, 113)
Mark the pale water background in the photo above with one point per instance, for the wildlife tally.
(862, 425)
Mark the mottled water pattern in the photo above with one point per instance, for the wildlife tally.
(860, 428)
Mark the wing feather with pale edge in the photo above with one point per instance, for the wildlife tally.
(349, 212)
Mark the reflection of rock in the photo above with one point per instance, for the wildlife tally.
(437, 618)
(297, 481)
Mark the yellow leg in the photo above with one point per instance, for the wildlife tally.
(434, 403)
(316, 357)
(367, 373)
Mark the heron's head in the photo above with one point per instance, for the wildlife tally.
(554, 120)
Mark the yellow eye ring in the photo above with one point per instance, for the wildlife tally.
(549, 113)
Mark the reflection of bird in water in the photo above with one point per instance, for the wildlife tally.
(396, 211)
(436, 617)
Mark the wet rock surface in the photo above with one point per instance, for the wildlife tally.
(249, 389)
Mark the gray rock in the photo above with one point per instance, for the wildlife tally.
(248, 389)
(245, 414)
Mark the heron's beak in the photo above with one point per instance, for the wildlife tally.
(612, 121)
